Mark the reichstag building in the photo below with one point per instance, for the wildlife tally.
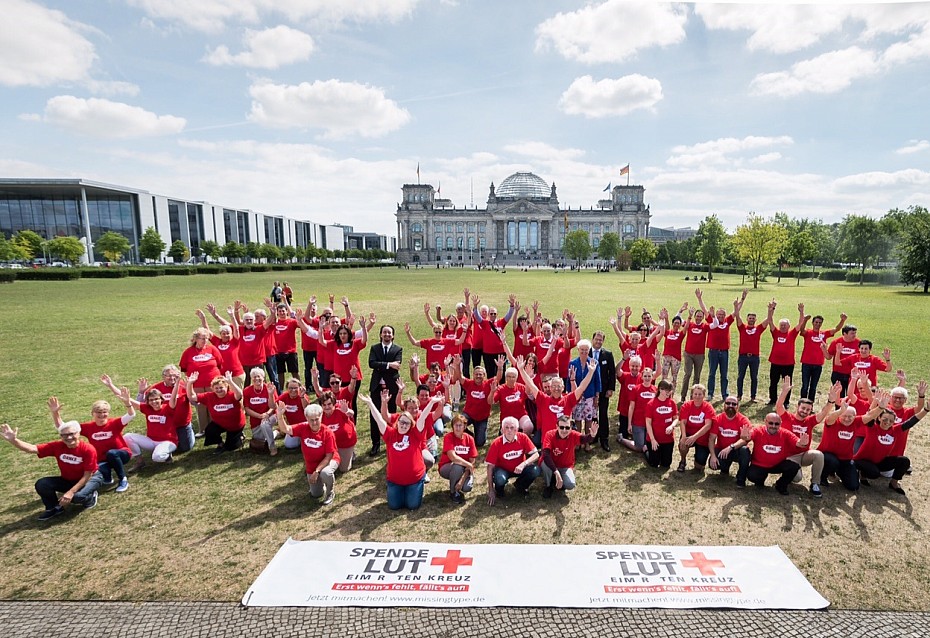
(522, 223)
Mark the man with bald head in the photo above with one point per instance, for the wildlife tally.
(771, 447)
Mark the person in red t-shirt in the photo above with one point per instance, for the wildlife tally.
(725, 431)
(479, 395)
(750, 334)
(843, 346)
(696, 417)
(661, 419)
(227, 342)
(251, 340)
(671, 349)
(258, 402)
(718, 342)
(558, 455)
(339, 418)
(801, 422)
(77, 461)
(546, 347)
(877, 452)
(771, 447)
(492, 331)
(161, 437)
(812, 357)
(457, 462)
(695, 345)
(638, 398)
(205, 360)
(511, 455)
(626, 381)
(224, 405)
(837, 441)
(511, 398)
(437, 348)
(902, 412)
(318, 445)
(284, 327)
(867, 362)
(170, 377)
(782, 356)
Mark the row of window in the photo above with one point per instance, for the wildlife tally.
(459, 227)
(60, 215)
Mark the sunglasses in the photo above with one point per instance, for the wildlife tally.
(565, 427)
(729, 403)
(405, 422)
(773, 422)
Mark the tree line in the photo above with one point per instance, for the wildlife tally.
(762, 245)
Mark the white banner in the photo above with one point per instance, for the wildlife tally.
(340, 574)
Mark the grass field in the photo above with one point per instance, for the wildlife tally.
(202, 529)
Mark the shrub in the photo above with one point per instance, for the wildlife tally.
(48, 274)
(260, 267)
(104, 273)
(280, 266)
(833, 275)
(146, 272)
(238, 268)
(211, 269)
(881, 277)
(7, 276)
(179, 270)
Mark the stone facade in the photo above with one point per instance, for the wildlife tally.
(522, 223)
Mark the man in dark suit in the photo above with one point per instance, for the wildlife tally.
(384, 359)
(608, 370)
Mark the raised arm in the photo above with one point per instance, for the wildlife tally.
(12, 436)
(802, 318)
(382, 424)
(700, 297)
(54, 406)
(592, 368)
(409, 335)
(780, 408)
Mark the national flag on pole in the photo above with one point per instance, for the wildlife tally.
(623, 171)
(608, 187)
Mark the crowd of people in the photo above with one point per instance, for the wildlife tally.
(551, 390)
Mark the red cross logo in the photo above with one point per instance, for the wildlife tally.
(452, 561)
(702, 564)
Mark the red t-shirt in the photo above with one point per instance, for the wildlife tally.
(900, 416)
(847, 349)
(640, 396)
(673, 342)
(342, 427)
(455, 335)
(230, 355)
(476, 399)
(548, 410)
(782, 353)
(749, 338)
(562, 450)
(72, 462)
(226, 412)
(870, 365)
(565, 356)
(728, 430)
(663, 414)
(159, 425)
(541, 346)
(518, 348)
(718, 337)
(465, 447)
(879, 444)
(512, 401)
(404, 457)
(252, 345)
(838, 439)
(285, 339)
(206, 362)
(768, 450)
(492, 333)
(182, 405)
(315, 445)
(790, 422)
(437, 350)
(811, 353)
(696, 339)
(508, 455)
(293, 407)
(694, 417)
(257, 401)
(308, 343)
(107, 437)
(344, 357)
(644, 351)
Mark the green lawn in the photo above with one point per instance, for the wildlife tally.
(202, 529)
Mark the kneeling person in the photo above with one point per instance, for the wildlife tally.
(558, 454)
(318, 445)
(511, 455)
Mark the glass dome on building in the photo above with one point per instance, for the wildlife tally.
(524, 185)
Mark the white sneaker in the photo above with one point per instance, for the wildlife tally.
(426, 479)
(123, 485)
(328, 500)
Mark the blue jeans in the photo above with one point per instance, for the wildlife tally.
(747, 362)
(810, 377)
(523, 482)
(721, 359)
(185, 438)
(405, 496)
(50, 487)
(481, 429)
(114, 463)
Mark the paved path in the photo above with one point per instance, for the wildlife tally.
(219, 620)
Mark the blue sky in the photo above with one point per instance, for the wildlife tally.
(322, 109)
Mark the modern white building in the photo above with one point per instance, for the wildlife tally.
(87, 209)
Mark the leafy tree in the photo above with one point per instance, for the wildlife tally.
(799, 247)
(913, 249)
(663, 256)
(289, 252)
(643, 252)
(253, 250)
(624, 260)
(233, 250)
(29, 243)
(270, 252)
(10, 251)
(757, 243)
(179, 252)
(862, 241)
(210, 249)
(609, 247)
(710, 242)
(113, 245)
(338, 254)
(68, 248)
(151, 245)
(577, 246)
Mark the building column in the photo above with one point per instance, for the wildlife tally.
(89, 241)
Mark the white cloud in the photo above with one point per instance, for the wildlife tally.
(41, 47)
(543, 151)
(112, 87)
(608, 97)
(779, 28)
(884, 179)
(613, 31)
(339, 108)
(913, 146)
(212, 15)
(102, 118)
(916, 47)
(29, 117)
(827, 73)
(765, 158)
(722, 150)
(266, 49)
